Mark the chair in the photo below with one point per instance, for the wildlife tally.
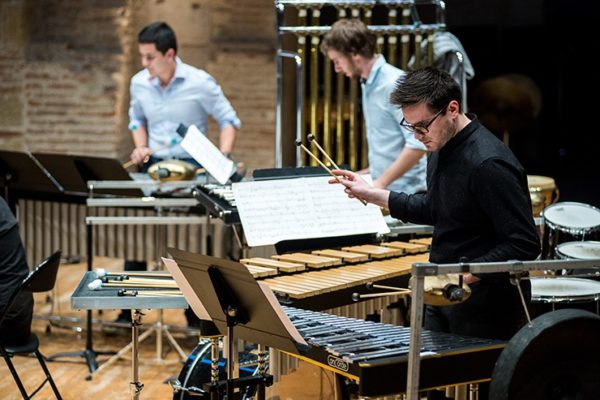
(41, 279)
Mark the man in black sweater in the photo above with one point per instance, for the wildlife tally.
(477, 201)
(16, 327)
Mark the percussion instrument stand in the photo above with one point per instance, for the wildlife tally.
(136, 385)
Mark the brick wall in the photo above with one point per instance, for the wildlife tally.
(65, 67)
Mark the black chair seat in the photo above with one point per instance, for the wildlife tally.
(26, 348)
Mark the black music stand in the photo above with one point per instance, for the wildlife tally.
(74, 171)
(234, 299)
(21, 173)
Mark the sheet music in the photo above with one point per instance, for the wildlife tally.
(285, 209)
(186, 289)
(289, 325)
(207, 154)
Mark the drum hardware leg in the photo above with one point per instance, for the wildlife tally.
(516, 280)
(473, 391)
(262, 370)
(214, 367)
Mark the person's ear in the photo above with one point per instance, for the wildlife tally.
(170, 53)
(453, 107)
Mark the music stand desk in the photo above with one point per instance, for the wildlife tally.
(73, 172)
(22, 173)
(106, 299)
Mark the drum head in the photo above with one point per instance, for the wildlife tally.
(556, 357)
(556, 290)
(539, 183)
(572, 217)
(584, 250)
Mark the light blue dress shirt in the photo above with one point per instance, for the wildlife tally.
(190, 98)
(385, 137)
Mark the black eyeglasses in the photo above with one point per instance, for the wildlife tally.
(421, 127)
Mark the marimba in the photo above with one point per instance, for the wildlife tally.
(325, 279)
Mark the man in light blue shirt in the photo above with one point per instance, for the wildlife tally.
(167, 93)
(396, 159)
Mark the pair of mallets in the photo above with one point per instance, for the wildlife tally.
(311, 138)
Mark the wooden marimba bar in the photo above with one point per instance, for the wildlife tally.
(325, 279)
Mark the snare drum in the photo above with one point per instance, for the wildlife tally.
(568, 221)
(549, 294)
(197, 368)
(543, 192)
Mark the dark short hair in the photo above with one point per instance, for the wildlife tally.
(428, 85)
(161, 34)
(349, 36)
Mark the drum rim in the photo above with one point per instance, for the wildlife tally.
(568, 229)
(574, 242)
(548, 299)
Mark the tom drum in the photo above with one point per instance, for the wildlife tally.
(568, 221)
(549, 294)
(543, 192)
(583, 250)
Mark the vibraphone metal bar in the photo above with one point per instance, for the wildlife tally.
(376, 355)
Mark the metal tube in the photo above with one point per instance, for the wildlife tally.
(314, 89)
(299, 106)
(416, 319)
(327, 88)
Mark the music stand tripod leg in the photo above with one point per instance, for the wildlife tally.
(89, 354)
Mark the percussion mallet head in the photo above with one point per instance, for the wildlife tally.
(298, 143)
(100, 272)
(454, 292)
(96, 284)
(369, 285)
(126, 292)
(355, 296)
(310, 137)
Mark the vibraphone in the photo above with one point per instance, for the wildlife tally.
(376, 355)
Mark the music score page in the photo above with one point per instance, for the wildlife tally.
(302, 208)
